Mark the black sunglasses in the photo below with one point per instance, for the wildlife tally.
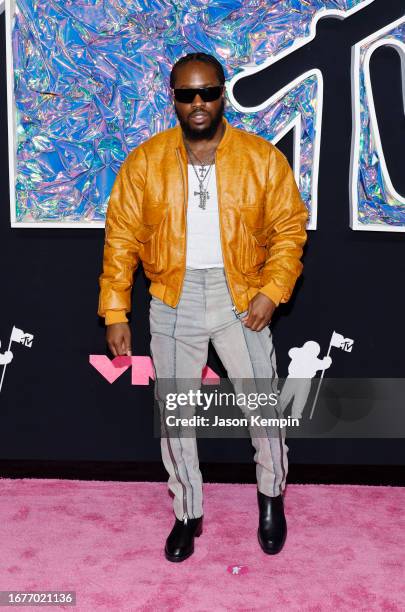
(208, 94)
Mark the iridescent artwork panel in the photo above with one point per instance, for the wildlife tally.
(88, 81)
(375, 203)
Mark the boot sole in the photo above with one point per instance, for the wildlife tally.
(175, 559)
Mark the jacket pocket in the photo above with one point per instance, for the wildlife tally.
(149, 231)
(254, 239)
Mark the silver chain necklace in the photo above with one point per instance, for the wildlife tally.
(203, 192)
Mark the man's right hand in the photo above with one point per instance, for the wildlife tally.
(118, 336)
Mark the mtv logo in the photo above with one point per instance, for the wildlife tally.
(27, 340)
(142, 370)
(347, 345)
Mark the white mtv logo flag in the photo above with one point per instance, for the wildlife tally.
(17, 335)
(339, 341)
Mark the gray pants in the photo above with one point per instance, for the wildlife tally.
(179, 350)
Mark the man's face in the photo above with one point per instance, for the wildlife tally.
(199, 120)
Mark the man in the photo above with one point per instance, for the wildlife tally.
(215, 216)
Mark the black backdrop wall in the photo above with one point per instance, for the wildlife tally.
(55, 406)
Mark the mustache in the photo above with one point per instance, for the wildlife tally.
(198, 113)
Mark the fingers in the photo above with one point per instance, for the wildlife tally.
(259, 313)
(257, 317)
(256, 325)
(120, 347)
(119, 340)
(255, 322)
(247, 318)
(127, 342)
(112, 348)
(126, 347)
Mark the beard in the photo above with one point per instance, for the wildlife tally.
(206, 133)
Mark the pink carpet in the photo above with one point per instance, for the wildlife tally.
(345, 548)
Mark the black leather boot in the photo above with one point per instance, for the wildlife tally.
(180, 543)
(272, 530)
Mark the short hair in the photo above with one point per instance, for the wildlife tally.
(198, 57)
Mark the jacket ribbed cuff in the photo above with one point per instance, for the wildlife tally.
(274, 292)
(115, 316)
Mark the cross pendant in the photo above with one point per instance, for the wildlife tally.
(204, 196)
(202, 170)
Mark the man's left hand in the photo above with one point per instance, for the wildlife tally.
(259, 313)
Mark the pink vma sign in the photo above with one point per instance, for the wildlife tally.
(141, 369)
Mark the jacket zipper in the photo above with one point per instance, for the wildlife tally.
(220, 223)
(185, 221)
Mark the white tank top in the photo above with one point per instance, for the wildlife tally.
(203, 237)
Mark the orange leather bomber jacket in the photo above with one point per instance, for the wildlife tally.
(262, 221)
